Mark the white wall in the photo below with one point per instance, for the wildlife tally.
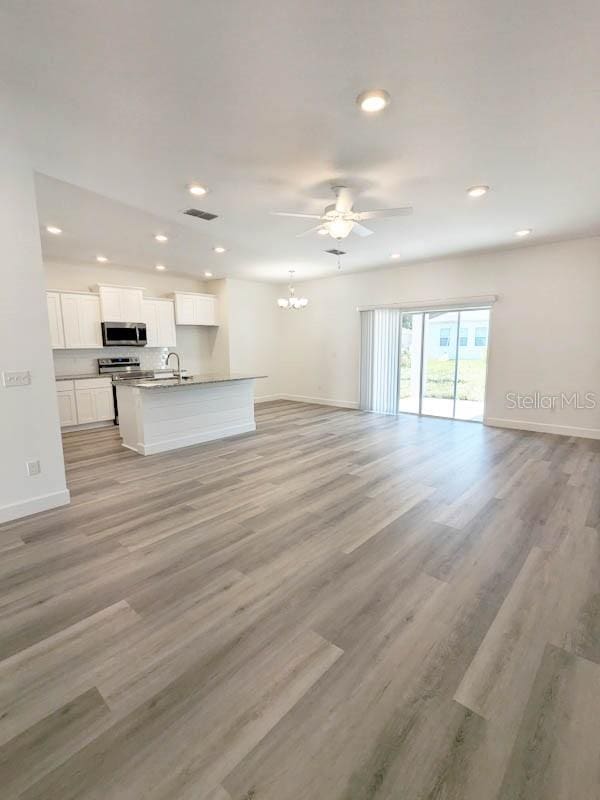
(545, 330)
(29, 425)
(82, 277)
(194, 343)
(254, 325)
(219, 336)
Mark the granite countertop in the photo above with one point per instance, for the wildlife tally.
(191, 380)
(85, 376)
(110, 375)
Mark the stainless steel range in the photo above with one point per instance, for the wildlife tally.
(126, 368)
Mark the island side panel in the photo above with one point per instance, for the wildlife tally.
(130, 418)
(179, 416)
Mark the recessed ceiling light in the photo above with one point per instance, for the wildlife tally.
(160, 267)
(160, 237)
(197, 190)
(53, 229)
(102, 259)
(477, 191)
(323, 232)
(523, 232)
(374, 100)
(219, 249)
(208, 274)
(395, 255)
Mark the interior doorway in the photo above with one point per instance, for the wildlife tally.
(443, 363)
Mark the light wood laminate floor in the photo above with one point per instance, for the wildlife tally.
(342, 606)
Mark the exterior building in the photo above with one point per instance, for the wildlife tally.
(473, 336)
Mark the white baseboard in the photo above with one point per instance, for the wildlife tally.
(87, 426)
(34, 505)
(319, 401)
(267, 398)
(543, 427)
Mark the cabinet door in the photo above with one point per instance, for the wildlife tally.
(185, 309)
(86, 411)
(150, 317)
(88, 307)
(205, 310)
(167, 336)
(132, 305)
(70, 315)
(110, 305)
(81, 320)
(103, 403)
(66, 408)
(57, 338)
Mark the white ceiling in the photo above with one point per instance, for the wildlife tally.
(94, 225)
(131, 101)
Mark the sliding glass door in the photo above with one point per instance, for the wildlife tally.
(410, 363)
(439, 363)
(472, 364)
(443, 362)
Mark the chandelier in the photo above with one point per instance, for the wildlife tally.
(291, 302)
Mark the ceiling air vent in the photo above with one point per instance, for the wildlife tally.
(195, 212)
(336, 252)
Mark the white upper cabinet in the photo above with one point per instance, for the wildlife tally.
(81, 320)
(159, 316)
(195, 309)
(57, 337)
(121, 304)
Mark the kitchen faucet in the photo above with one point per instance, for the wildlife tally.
(178, 373)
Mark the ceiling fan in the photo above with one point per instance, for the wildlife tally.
(340, 218)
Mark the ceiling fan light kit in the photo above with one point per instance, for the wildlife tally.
(291, 302)
(339, 219)
(339, 227)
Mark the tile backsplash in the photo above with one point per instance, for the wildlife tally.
(84, 362)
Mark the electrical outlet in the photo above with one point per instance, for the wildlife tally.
(33, 468)
(10, 379)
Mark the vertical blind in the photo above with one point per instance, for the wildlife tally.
(380, 359)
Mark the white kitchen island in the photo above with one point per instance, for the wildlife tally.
(160, 415)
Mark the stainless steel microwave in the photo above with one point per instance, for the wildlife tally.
(124, 334)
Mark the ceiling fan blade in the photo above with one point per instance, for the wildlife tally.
(361, 230)
(302, 216)
(310, 230)
(344, 199)
(385, 212)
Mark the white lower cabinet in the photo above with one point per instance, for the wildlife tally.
(84, 401)
(104, 403)
(67, 410)
(86, 408)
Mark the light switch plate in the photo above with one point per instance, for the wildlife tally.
(33, 468)
(10, 379)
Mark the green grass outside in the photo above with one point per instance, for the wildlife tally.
(439, 379)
